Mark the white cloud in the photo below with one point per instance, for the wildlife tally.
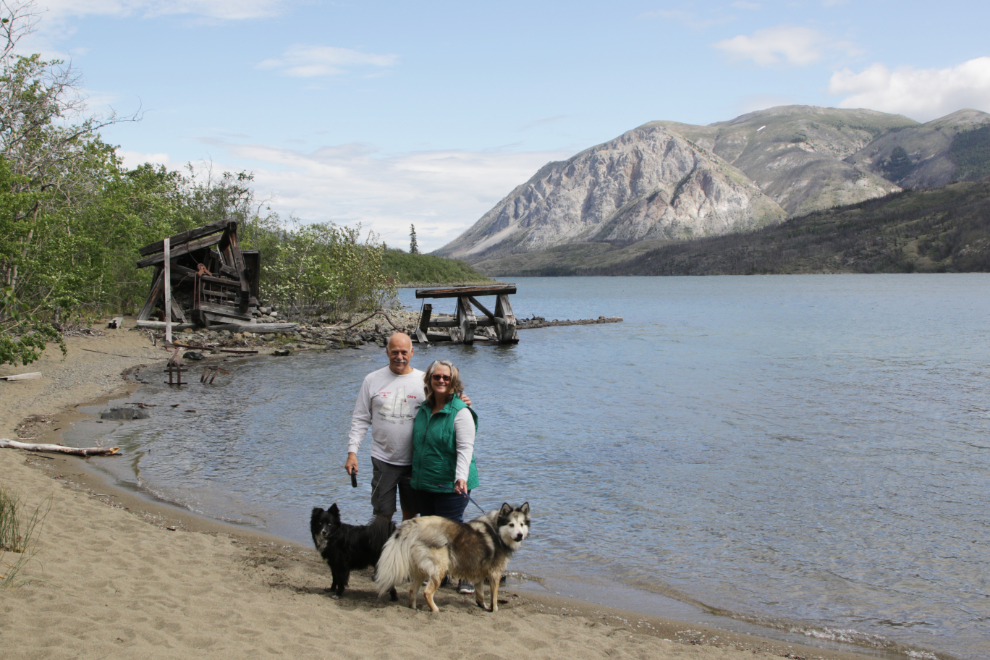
(216, 9)
(783, 45)
(441, 192)
(922, 94)
(54, 20)
(312, 61)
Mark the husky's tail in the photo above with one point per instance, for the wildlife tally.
(393, 566)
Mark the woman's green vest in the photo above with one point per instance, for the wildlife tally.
(434, 459)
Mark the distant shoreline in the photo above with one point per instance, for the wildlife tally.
(429, 285)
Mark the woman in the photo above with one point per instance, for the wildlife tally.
(443, 469)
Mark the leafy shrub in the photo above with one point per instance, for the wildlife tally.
(319, 268)
(408, 268)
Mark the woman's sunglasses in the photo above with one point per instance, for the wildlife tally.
(440, 377)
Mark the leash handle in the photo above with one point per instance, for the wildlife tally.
(353, 479)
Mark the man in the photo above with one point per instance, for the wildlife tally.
(388, 402)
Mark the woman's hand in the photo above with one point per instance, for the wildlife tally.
(460, 486)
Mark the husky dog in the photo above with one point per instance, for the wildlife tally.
(431, 547)
(346, 547)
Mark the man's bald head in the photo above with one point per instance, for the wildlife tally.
(400, 352)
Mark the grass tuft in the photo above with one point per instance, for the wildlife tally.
(16, 538)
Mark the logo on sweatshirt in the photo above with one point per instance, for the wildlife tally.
(395, 407)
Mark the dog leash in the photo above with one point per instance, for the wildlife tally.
(490, 526)
(451, 490)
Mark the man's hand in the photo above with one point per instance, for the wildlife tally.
(351, 466)
(466, 399)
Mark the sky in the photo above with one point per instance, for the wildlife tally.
(391, 114)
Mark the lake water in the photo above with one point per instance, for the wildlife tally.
(809, 453)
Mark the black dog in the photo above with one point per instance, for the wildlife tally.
(346, 547)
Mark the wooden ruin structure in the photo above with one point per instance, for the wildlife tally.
(212, 280)
(501, 323)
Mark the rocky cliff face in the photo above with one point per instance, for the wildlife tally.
(795, 154)
(669, 181)
(648, 183)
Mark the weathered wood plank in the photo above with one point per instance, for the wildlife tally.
(185, 248)
(424, 323)
(457, 292)
(178, 312)
(156, 290)
(232, 245)
(505, 326)
(167, 263)
(223, 310)
(484, 310)
(453, 323)
(184, 237)
(466, 320)
(160, 325)
(179, 271)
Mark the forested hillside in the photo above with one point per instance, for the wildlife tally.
(941, 230)
(422, 269)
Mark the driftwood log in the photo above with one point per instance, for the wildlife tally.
(531, 324)
(35, 374)
(58, 449)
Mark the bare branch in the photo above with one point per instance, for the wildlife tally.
(18, 18)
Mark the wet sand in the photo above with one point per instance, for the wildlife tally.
(118, 576)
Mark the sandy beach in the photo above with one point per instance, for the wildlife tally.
(117, 576)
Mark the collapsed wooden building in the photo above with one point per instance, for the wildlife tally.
(212, 280)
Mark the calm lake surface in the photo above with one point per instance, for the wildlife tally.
(809, 453)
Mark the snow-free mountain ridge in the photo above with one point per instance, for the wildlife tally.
(668, 181)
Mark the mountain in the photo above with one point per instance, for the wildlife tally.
(796, 154)
(648, 183)
(667, 181)
(934, 230)
(953, 148)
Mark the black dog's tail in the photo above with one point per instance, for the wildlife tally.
(379, 529)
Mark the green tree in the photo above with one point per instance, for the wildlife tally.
(55, 173)
(898, 165)
(413, 245)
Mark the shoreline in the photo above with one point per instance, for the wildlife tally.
(162, 589)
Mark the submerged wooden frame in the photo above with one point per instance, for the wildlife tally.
(462, 329)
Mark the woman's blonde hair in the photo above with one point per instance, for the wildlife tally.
(456, 386)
